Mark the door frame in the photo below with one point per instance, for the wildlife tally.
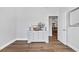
(51, 28)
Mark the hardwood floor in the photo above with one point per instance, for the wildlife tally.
(23, 46)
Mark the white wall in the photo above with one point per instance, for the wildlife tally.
(7, 25)
(63, 24)
(68, 35)
(50, 26)
(28, 16)
(62, 28)
(73, 37)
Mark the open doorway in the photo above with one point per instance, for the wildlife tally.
(53, 26)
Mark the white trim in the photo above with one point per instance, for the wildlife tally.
(21, 39)
(5, 45)
(63, 42)
(38, 41)
(74, 48)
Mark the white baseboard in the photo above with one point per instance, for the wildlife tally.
(63, 42)
(38, 41)
(21, 39)
(7, 44)
(74, 48)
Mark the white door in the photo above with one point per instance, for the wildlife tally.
(62, 29)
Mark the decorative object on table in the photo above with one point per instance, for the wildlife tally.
(35, 28)
(41, 25)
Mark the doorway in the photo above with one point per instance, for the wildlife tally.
(53, 26)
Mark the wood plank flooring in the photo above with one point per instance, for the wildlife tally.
(23, 46)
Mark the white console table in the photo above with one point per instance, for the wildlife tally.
(38, 36)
